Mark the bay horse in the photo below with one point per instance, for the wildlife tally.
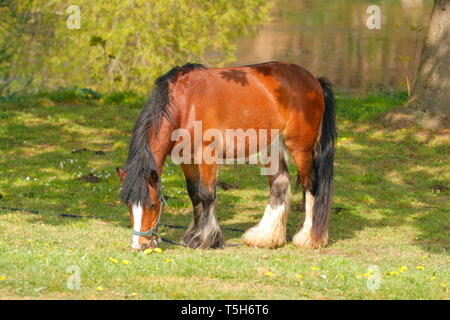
(272, 95)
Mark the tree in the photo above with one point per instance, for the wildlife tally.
(121, 45)
(431, 91)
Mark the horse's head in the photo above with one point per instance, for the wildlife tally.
(144, 215)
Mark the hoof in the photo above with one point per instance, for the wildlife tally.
(198, 241)
(262, 238)
(303, 239)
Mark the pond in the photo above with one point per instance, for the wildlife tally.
(331, 38)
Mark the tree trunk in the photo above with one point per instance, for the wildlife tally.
(431, 91)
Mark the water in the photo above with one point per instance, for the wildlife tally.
(330, 38)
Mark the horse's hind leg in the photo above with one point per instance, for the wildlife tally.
(204, 232)
(270, 232)
(304, 163)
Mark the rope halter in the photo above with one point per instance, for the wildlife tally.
(152, 231)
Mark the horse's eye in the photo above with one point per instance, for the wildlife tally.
(152, 206)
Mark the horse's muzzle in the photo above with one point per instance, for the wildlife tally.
(146, 244)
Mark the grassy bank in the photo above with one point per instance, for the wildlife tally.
(58, 153)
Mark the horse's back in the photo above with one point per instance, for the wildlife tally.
(252, 96)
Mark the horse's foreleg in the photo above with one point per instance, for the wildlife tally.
(204, 232)
(270, 232)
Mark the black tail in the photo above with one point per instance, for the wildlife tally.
(323, 165)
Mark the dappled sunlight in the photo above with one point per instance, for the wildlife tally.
(84, 139)
(390, 204)
(400, 180)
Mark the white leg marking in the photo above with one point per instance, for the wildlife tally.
(309, 210)
(303, 237)
(137, 220)
(271, 218)
(270, 231)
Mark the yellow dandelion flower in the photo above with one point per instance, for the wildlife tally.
(147, 251)
(134, 294)
(113, 260)
(403, 269)
(367, 275)
(393, 273)
(168, 260)
(158, 250)
(314, 268)
(420, 267)
(443, 285)
(3, 278)
(299, 276)
(268, 274)
(89, 95)
(125, 262)
(433, 278)
(99, 288)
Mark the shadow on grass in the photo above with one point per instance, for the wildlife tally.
(389, 178)
(382, 178)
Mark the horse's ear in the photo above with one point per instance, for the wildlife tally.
(122, 175)
(154, 178)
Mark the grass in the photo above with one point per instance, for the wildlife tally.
(393, 187)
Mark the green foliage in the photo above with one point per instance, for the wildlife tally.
(353, 108)
(89, 93)
(74, 95)
(121, 45)
(126, 98)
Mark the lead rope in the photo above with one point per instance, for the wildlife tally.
(152, 231)
(65, 215)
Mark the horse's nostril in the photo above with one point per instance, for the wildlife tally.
(144, 246)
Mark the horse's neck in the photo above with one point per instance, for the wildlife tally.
(161, 146)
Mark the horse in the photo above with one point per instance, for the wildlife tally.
(269, 96)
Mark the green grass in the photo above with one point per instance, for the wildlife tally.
(390, 184)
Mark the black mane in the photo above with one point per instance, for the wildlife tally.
(140, 165)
